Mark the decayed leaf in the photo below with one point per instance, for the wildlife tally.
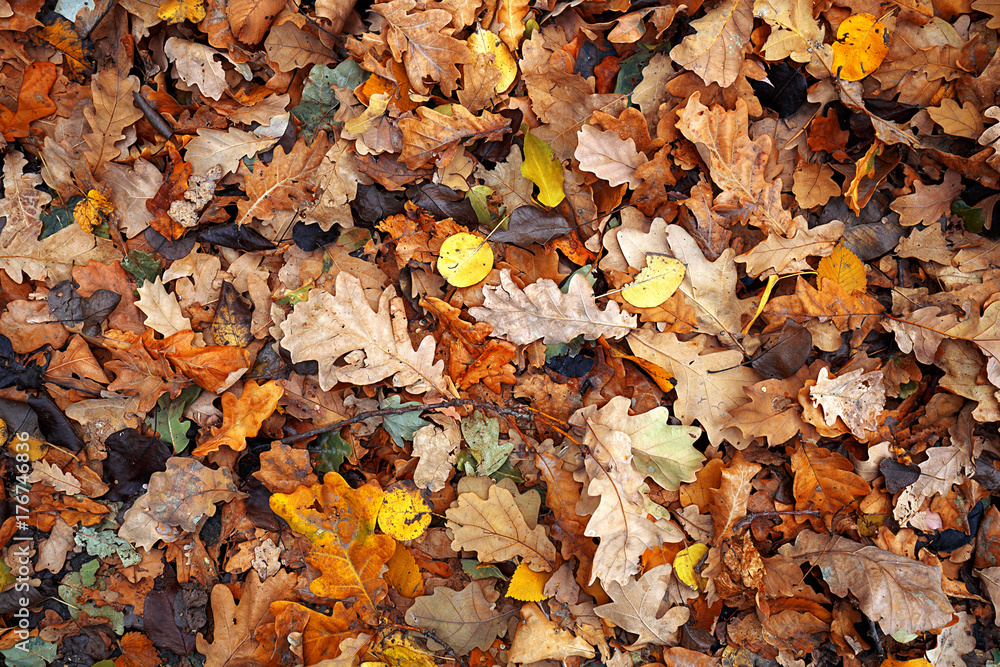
(636, 608)
(862, 43)
(944, 467)
(196, 66)
(924, 335)
(902, 595)
(463, 619)
(608, 156)
(226, 149)
(328, 326)
(991, 582)
(856, 397)
(176, 502)
(795, 33)
(496, 530)
(715, 51)
(541, 311)
(538, 638)
(242, 417)
(710, 382)
(435, 447)
(339, 522)
(22, 205)
(954, 642)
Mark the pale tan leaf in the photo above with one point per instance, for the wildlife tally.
(114, 110)
(954, 642)
(636, 608)
(608, 156)
(958, 121)
(542, 311)
(715, 51)
(223, 148)
(924, 335)
(776, 253)
(944, 467)
(291, 47)
(928, 202)
(537, 638)
(496, 530)
(902, 595)
(463, 619)
(163, 313)
(130, 189)
(507, 181)
(813, 184)
(991, 582)
(856, 397)
(794, 34)
(328, 326)
(435, 447)
(195, 65)
(21, 205)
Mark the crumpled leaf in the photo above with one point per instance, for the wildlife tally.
(856, 397)
(541, 311)
(328, 326)
(242, 417)
(538, 638)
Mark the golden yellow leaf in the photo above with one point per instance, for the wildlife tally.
(526, 585)
(340, 523)
(403, 574)
(405, 514)
(542, 168)
(656, 283)
(465, 259)
(844, 267)
(687, 565)
(178, 11)
(861, 46)
(916, 662)
(89, 212)
(484, 41)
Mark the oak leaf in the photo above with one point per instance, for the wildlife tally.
(928, 202)
(636, 608)
(715, 51)
(250, 19)
(511, 14)
(724, 144)
(435, 447)
(163, 313)
(541, 311)
(328, 326)
(729, 504)
(944, 467)
(901, 594)
(463, 619)
(434, 136)
(242, 417)
(824, 480)
(537, 638)
(608, 156)
(22, 205)
(285, 184)
(33, 101)
(340, 522)
(195, 65)
(113, 111)
(324, 635)
(856, 397)
(794, 34)
(142, 372)
(176, 502)
(773, 411)
(710, 381)
(831, 303)
(226, 149)
(921, 332)
(424, 45)
(813, 184)
(958, 121)
(507, 180)
(290, 47)
(776, 253)
(496, 530)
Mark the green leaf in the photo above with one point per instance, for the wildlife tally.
(315, 110)
(477, 570)
(630, 74)
(105, 543)
(402, 426)
(333, 449)
(482, 434)
(38, 654)
(56, 219)
(542, 168)
(478, 195)
(142, 266)
(662, 452)
(167, 422)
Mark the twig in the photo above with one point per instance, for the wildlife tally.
(519, 412)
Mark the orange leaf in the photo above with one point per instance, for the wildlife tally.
(33, 101)
(404, 574)
(340, 523)
(213, 367)
(172, 189)
(242, 417)
(137, 651)
(824, 481)
(322, 634)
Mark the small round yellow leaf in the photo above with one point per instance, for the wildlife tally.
(465, 259)
(527, 585)
(686, 564)
(405, 514)
(861, 46)
(656, 283)
(486, 42)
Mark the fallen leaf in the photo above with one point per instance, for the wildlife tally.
(537, 638)
(636, 608)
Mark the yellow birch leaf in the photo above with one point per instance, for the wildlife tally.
(542, 168)
(89, 212)
(526, 585)
(656, 283)
(405, 514)
(484, 41)
(861, 46)
(465, 259)
(178, 11)
(844, 267)
(686, 565)
(403, 574)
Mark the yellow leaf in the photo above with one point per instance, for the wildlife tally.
(340, 523)
(377, 104)
(89, 212)
(403, 574)
(916, 662)
(397, 649)
(526, 585)
(178, 11)
(686, 565)
(33, 447)
(844, 267)
(405, 513)
(861, 46)
(543, 169)
(656, 283)
(465, 259)
(484, 41)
